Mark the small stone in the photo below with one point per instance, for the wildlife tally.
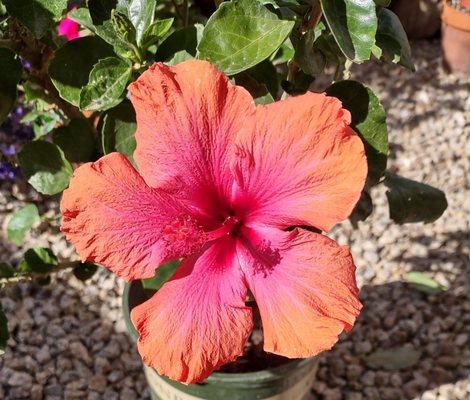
(127, 394)
(36, 392)
(368, 378)
(363, 347)
(461, 339)
(115, 376)
(98, 383)
(53, 390)
(80, 352)
(43, 355)
(447, 361)
(21, 379)
(332, 394)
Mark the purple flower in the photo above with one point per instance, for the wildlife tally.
(8, 172)
(8, 149)
(26, 64)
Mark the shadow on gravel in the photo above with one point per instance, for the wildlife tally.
(404, 343)
(455, 255)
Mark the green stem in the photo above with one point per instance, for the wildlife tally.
(31, 276)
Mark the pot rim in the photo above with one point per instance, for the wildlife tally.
(267, 374)
(455, 18)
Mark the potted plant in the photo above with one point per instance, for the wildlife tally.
(456, 35)
(172, 140)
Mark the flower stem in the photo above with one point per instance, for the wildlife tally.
(31, 276)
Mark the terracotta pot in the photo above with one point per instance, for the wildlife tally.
(456, 39)
(291, 381)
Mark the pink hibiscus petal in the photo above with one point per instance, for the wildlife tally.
(113, 218)
(68, 28)
(305, 288)
(301, 164)
(198, 320)
(187, 118)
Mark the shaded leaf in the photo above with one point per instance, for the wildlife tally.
(21, 222)
(10, 74)
(38, 16)
(38, 259)
(76, 140)
(85, 271)
(70, 68)
(162, 274)
(118, 130)
(353, 24)
(6, 271)
(424, 283)
(308, 56)
(44, 165)
(382, 3)
(82, 16)
(185, 39)
(363, 209)
(4, 333)
(105, 89)
(411, 201)
(368, 119)
(393, 359)
(391, 40)
(241, 34)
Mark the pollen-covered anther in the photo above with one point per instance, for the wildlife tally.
(183, 236)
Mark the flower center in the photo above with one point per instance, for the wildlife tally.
(231, 226)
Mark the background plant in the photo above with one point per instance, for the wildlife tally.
(75, 91)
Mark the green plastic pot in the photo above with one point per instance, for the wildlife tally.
(291, 381)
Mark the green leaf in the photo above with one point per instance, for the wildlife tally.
(6, 271)
(118, 130)
(308, 56)
(424, 283)
(179, 57)
(140, 12)
(353, 24)
(42, 121)
(10, 74)
(392, 41)
(44, 165)
(368, 120)
(393, 359)
(105, 89)
(39, 16)
(70, 68)
(76, 140)
(185, 39)
(85, 271)
(411, 201)
(20, 222)
(38, 259)
(82, 17)
(265, 73)
(155, 32)
(162, 274)
(4, 334)
(241, 34)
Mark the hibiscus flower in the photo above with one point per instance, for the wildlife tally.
(229, 188)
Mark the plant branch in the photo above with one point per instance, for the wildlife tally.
(31, 276)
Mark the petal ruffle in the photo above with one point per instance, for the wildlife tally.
(305, 288)
(113, 218)
(198, 320)
(187, 118)
(302, 164)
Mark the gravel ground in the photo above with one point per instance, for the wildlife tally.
(69, 342)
